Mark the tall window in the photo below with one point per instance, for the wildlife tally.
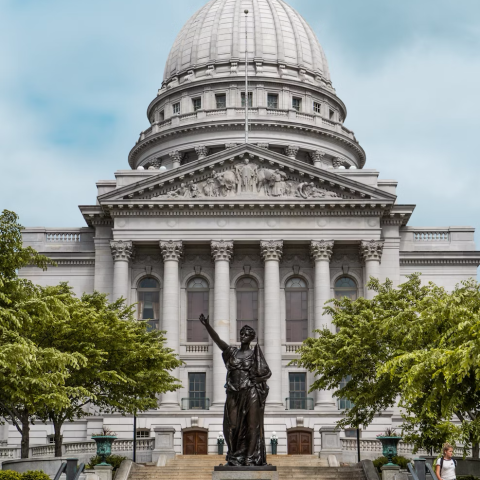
(196, 390)
(346, 287)
(331, 114)
(250, 99)
(221, 100)
(197, 303)
(176, 108)
(247, 304)
(197, 104)
(343, 403)
(317, 107)
(149, 301)
(297, 104)
(298, 390)
(272, 100)
(296, 299)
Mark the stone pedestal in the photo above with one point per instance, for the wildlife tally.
(391, 472)
(164, 448)
(330, 438)
(245, 473)
(104, 472)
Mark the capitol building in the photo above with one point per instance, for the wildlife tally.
(259, 227)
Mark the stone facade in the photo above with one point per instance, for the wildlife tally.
(205, 217)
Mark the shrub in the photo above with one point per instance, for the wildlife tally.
(113, 460)
(400, 461)
(35, 475)
(9, 475)
(467, 477)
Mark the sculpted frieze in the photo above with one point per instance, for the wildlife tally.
(248, 178)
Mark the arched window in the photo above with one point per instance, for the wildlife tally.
(346, 287)
(197, 303)
(296, 302)
(247, 304)
(149, 301)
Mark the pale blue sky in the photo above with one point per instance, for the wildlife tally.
(76, 78)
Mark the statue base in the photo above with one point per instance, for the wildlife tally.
(268, 472)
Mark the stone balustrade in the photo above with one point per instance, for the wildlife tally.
(429, 236)
(62, 237)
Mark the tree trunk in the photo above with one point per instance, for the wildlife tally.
(25, 443)
(475, 450)
(57, 436)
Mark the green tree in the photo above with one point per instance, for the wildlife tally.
(126, 365)
(32, 376)
(400, 345)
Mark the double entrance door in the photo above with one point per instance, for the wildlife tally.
(195, 442)
(299, 443)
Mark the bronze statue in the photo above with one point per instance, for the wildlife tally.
(247, 390)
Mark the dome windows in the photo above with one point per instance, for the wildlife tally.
(197, 103)
(176, 108)
(250, 99)
(221, 100)
(272, 100)
(297, 104)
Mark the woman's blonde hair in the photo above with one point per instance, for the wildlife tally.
(446, 447)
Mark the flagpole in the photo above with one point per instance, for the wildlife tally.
(246, 78)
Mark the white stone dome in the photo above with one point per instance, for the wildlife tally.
(277, 34)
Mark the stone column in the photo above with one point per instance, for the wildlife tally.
(176, 157)
(122, 252)
(317, 158)
(172, 251)
(222, 254)
(321, 251)
(371, 253)
(103, 280)
(271, 252)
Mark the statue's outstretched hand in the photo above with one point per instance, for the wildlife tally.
(204, 320)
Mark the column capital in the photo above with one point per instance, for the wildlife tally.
(171, 250)
(371, 249)
(271, 249)
(176, 156)
(222, 250)
(202, 151)
(321, 249)
(291, 151)
(317, 155)
(122, 250)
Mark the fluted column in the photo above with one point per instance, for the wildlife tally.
(371, 253)
(172, 251)
(122, 253)
(271, 252)
(222, 254)
(321, 251)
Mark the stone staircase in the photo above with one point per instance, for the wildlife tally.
(290, 467)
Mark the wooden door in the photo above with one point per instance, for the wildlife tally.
(195, 443)
(299, 443)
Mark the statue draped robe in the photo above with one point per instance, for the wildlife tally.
(247, 392)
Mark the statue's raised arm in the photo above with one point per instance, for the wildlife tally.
(206, 323)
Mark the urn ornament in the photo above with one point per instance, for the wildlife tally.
(389, 440)
(104, 441)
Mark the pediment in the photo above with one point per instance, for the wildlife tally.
(247, 172)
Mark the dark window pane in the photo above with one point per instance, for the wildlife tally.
(148, 304)
(197, 303)
(148, 283)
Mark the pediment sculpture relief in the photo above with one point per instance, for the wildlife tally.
(249, 178)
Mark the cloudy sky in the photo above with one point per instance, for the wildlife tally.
(76, 78)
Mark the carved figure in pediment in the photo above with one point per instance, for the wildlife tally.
(264, 178)
(227, 181)
(179, 192)
(193, 190)
(277, 184)
(309, 190)
(246, 175)
(210, 189)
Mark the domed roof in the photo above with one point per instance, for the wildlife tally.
(276, 34)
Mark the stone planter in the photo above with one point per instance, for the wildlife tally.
(389, 447)
(104, 446)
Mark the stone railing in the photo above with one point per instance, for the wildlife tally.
(373, 445)
(277, 112)
(196, 348)
(218, 111)
(62, 237)
(188, 116)
(431, 236)
(292, 347)
(305, 116)
(77, 448)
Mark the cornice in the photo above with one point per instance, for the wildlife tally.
(235, 124)
(440, 258)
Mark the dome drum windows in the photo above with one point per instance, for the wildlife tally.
(250, 99)
(221, 101)
(247, 304)
(296, 303)
(297, 104)
(149, 301)
(272, 101)
(197, 303)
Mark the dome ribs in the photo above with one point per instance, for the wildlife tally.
(258, 53)
(278, 33)
(298, 41)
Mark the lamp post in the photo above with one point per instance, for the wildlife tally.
(246, 77)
